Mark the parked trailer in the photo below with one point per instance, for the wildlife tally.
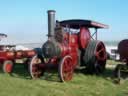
(9, 56)
(70, 44)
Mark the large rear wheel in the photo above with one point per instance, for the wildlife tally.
(95, 57)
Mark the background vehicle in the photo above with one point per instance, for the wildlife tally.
(121, 70)
(9, 56)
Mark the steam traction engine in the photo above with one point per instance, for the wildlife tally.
(69, 44)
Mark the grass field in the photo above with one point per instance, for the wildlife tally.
(20, 84)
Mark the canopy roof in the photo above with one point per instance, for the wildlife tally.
(77, 23)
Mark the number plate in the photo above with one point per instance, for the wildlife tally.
(19, 61)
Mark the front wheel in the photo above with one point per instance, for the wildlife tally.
(36, 67)
(66, 69)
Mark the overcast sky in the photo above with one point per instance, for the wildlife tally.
(25, 21)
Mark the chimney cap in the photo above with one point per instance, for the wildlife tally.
(51, 11)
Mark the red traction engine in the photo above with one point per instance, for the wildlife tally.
(9, 58)
(69, 44)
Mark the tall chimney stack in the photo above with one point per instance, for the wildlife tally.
(51, 23)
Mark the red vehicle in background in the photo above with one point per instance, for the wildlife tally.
(9, 56)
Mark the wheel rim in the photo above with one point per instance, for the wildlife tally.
(35, 69)
(66, 69)
(8, 67)
(100, 52)
(100, 58)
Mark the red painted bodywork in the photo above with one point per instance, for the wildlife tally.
(70, 45)
(12, 55)
(84, 37)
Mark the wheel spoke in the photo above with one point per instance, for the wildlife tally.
(101, 50)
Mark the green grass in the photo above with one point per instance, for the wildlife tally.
(20, 84)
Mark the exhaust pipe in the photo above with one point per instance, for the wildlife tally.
(51, 23)
(51, 48)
